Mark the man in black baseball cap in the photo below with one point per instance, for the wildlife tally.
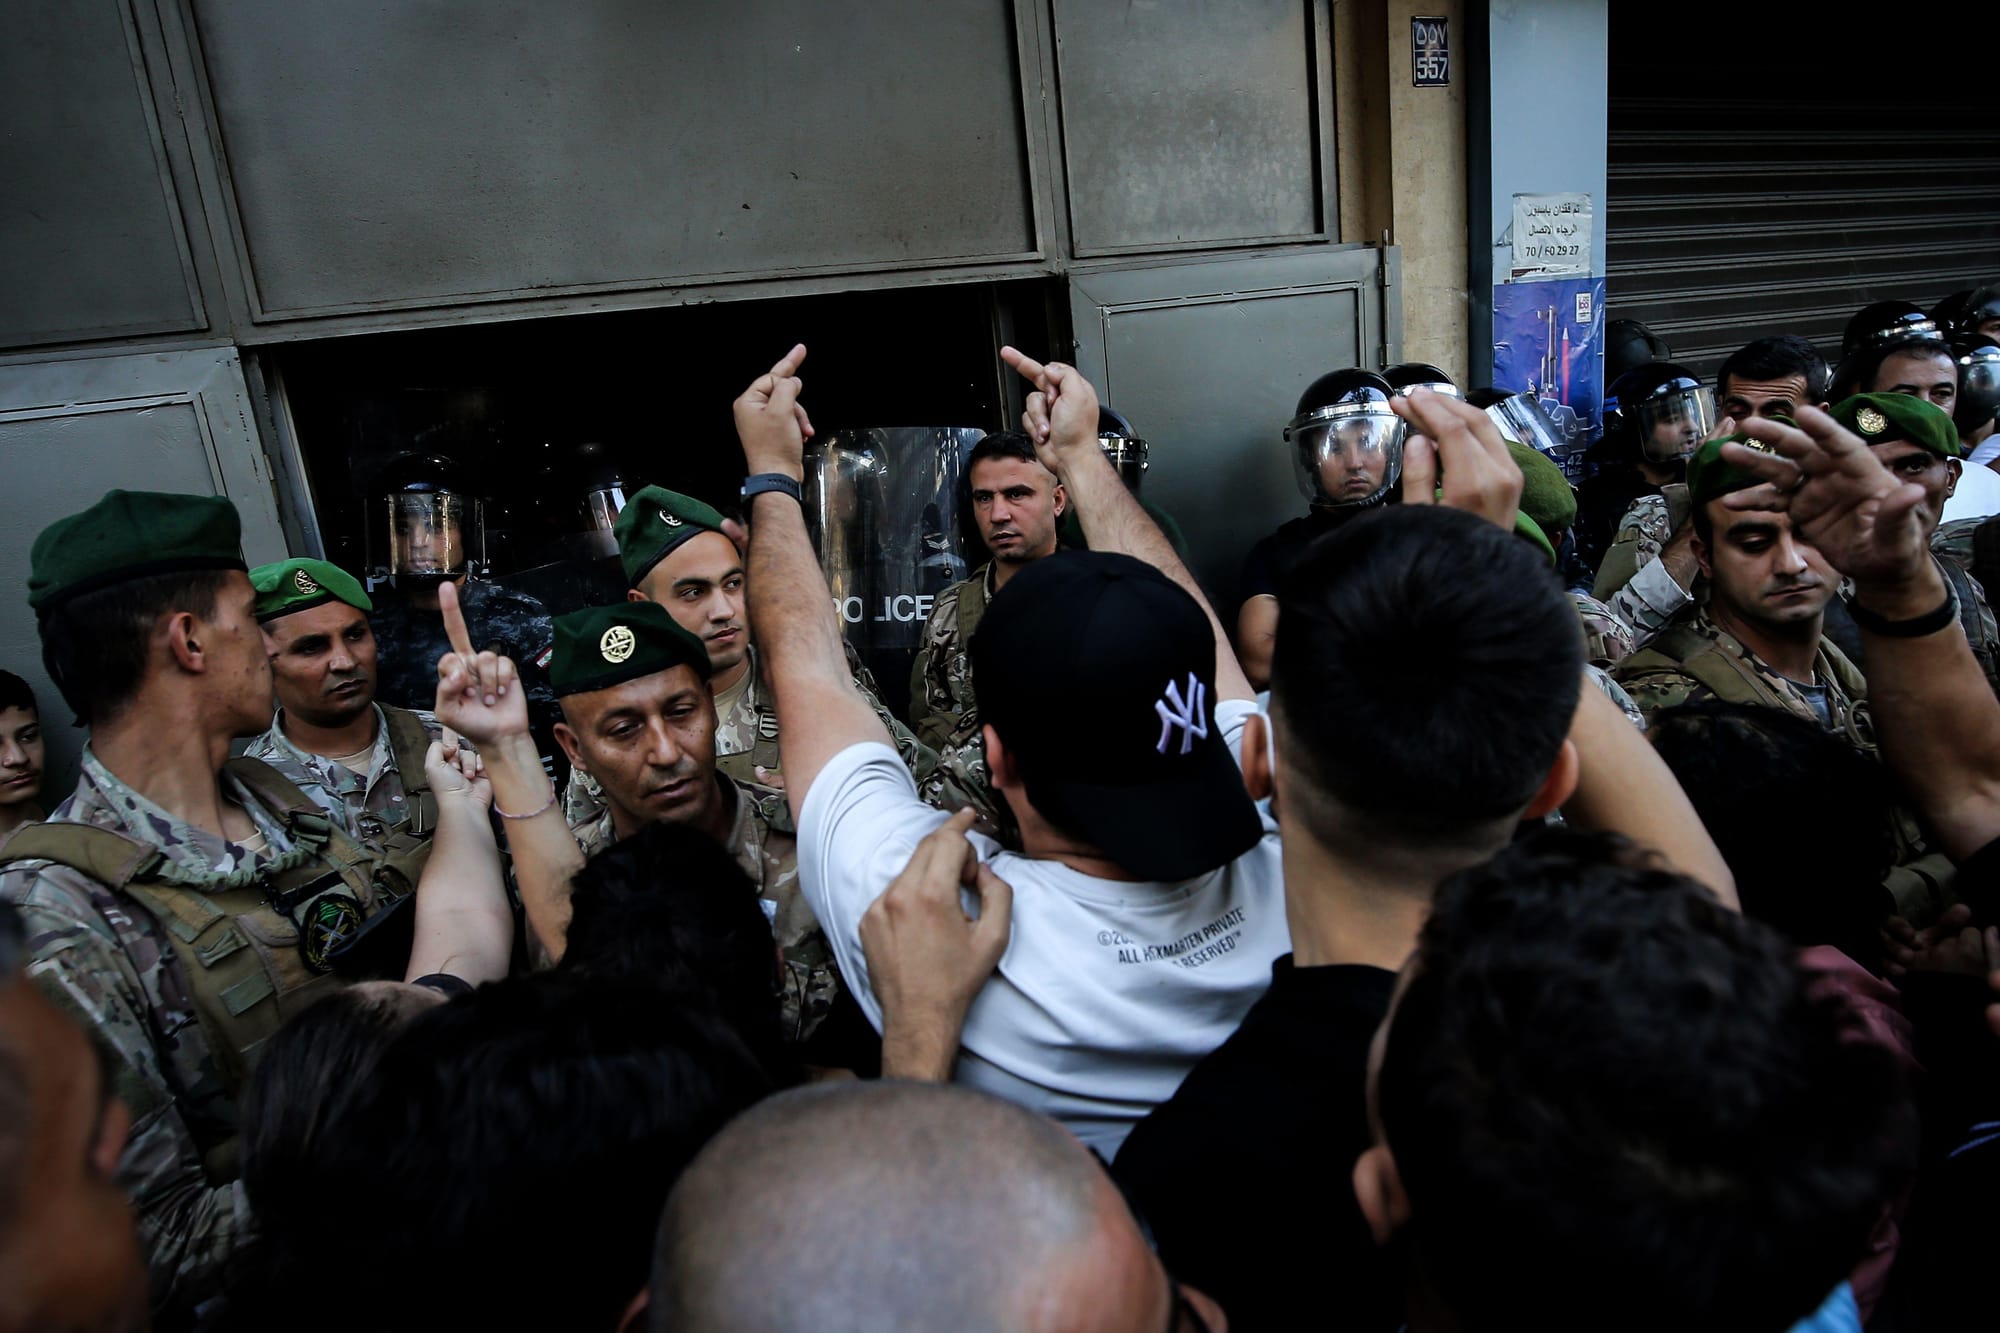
(1165, 800)
(1148, 891)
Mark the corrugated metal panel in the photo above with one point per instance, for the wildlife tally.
(1729, 219)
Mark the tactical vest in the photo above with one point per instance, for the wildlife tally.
(1731, 679)
(408, 744)
(254, 955)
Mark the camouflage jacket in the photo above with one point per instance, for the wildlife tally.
(1631, 581)
(1615, 692)
(942, 710)
(363, 804)
(764, 844)
(1607, 639)
(1699, 660)
(747, 725)
(102, 958)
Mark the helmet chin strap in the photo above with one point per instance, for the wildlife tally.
(1353, 506)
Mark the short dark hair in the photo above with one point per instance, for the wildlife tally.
(96, 645)
(15, 693)
(546, 1114)
(669, 907)
(1606, 1091)
(1926, 347)
(1801, 817)
(1002, 444)
(1779, 356)
(1425, 676)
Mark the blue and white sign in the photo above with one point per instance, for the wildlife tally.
(1430, 52)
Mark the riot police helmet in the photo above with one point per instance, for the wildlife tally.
(1629, 344)
(1667, 408)
(1978, 312)
(1122, 445)
(426, 525)
(1410, 375)
(1347, 441)
(1978, 401)
(1885, 325)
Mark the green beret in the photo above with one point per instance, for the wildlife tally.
(602, 646)
(1546, 495)
(300, 584)
(653, 524)
(1525, 526)
(132, 535)
(1883, 418)
(1709, 475)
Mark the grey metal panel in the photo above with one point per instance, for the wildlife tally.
(1727, 220)
(409, 153)
(91, 243)
(1187, 123)
(1208, 359)
(71, 430)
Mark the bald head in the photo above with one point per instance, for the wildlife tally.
(900, 1205)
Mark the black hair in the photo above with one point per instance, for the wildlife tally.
(15, 693)
(1605, 1091)
(96, 645)
(546, 1115)
(1779, 356)
(1933, 348)
(1002, 444)
(1425, 677)
(669, 907)
(1801, 817)
(308, 1078)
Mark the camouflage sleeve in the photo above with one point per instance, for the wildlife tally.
(1655, 689)
(919, 758)
(1607, 639)
(933, 711)
(1649, 602)
(1617, 694)
(188, 1226)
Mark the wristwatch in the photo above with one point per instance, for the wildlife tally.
(769, 481)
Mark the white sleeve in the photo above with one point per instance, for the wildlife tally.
(861, 820)
(1657, 589)
(1232, 715)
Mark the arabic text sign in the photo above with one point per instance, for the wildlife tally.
(1551, 236)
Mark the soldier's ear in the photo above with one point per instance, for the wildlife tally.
(566, 738)
(1699, 548)
(1062, 500)
(183, 635)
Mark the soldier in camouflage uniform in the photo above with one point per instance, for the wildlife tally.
(360, 761)
(638, 716)
(1018, 505)
(180, 904)
(676, 554)
(1918, 442)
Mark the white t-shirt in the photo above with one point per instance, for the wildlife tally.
(1109, 991)
(1977, 496)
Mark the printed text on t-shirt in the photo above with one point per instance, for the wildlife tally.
(1191, 950)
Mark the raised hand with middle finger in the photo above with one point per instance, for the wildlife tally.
(478, 696)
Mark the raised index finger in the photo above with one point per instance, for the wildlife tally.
(454, 621)
(1030, 369)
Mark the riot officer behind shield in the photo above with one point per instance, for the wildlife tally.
(1347, 456)
(1129, 454)
(426, 528)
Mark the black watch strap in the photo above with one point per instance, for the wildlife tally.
(1914, 628)
(771, 481)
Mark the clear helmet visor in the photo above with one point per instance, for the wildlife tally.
(1523, 419)
(1672, 426)
(600, 508)
(430, 536)
(1350, 457)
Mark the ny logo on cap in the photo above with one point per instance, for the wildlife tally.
(669, 519)
(1189, 712)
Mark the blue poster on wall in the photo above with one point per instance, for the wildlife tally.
(1547, 339)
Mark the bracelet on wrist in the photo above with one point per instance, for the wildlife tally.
(541, 809)
(1916, 627)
